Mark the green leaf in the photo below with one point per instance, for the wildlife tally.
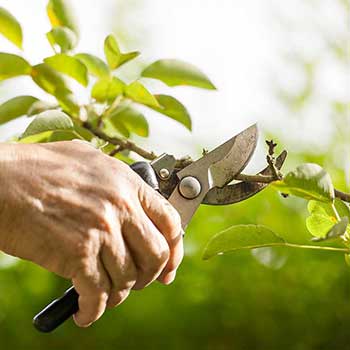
(60, 15)
(309, 181)
(138, 93)
(113, 54)
(48, 79)
(107, 89)
(174, 109)
(115, 129)
(94, 65)
(251, 237)
(53, 83)
(63, 135)
(10, 28)
(174, 72)
(319, 225)
(241, 237)
(37, 138)
(323, 217)
(336, 231)
(124, 158)
(40, 106)
(70, 66)
(13, 66)
(49, 121)
(68, 103)
(15, 107)
(63, 37)
(84, 133)
(133, 120)
(316, 207)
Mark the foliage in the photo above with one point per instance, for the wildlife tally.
(329, 217)
(113, 110)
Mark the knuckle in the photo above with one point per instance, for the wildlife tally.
(124, 200)
(156, 260)
(130, 277)
(85, 246)
(172, 220)
(81, 251)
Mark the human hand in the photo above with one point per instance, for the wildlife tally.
(88, 217)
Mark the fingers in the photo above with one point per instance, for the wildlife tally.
(92, 284)
(119, 264)
(147, 245)
(168, 222)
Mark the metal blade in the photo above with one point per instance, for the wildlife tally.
(216, 168)
(242, 190)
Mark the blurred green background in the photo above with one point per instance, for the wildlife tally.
(266, 299)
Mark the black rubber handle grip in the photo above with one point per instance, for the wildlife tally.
(59, 310)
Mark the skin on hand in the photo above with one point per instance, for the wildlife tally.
(87, 217)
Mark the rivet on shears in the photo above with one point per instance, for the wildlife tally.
(190, 187)
(164, 173)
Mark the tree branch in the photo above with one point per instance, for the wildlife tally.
(183, 162)
(270, 178)
(255, 178)
(123, 143)
(342, 195)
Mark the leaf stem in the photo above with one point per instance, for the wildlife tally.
(335, 211)
(303, 246)
(317, 247)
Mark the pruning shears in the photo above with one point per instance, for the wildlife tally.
(205, 181)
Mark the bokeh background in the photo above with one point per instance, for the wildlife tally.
(283, 64)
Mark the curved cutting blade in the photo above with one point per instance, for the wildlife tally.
(216, 168)
(242, 190)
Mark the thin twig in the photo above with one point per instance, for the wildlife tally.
(116, 150)
(183, 162)
(123, 143)
(255, 178)
(271, 160)
(342, 195)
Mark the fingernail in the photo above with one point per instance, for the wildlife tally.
(79, 324)
(169, 278)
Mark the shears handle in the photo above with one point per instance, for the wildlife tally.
(59, 310)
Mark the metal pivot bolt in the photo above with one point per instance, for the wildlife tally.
(190, 187)
(164, 173)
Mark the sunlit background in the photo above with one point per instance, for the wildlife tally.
(283, 64)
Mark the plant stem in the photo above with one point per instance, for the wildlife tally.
(270, 178)
(123, 143)
(342, 195)
(317, 247)
(335, 211)
(304, 246)
(255, 178)
(183, 162)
